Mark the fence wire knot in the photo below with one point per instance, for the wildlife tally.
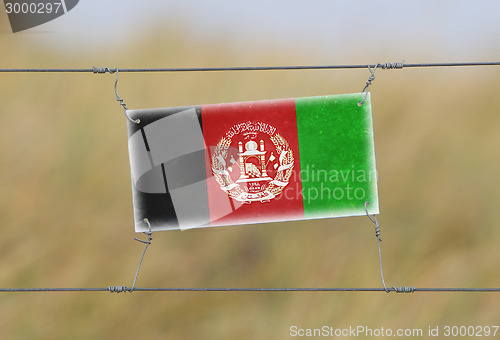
(117, 289)
(374, 220)
(103, 70)
(368, 83)
(404, 289)
(371, 78)
(392, 66)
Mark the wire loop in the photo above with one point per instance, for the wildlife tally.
(377, 234)
(385, 66)
(102, 70)
(147, 242)
(122, 289)
(368, 83)
(120, 100)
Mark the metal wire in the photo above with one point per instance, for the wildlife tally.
(147, 243)
(367, 85)
(173, 289)
(123, 289)
(248, 68)
(118, 98)
(379, 239)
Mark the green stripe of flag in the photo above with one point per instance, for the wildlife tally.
(337, 156)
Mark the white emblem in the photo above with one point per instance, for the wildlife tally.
(252, 147)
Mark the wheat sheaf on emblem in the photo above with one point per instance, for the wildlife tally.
(254, 183)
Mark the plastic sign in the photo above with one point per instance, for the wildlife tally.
(252, 162)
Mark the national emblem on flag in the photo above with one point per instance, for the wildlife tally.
(253, 144)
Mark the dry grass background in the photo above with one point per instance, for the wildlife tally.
(66, 209)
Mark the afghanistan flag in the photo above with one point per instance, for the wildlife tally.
(252, 162)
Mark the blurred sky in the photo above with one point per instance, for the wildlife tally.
(460, 30)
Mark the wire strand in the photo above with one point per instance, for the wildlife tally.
(247, 68)
(173, 289)
(149, 234)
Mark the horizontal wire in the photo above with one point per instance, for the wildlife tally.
(245, 68)
(423, 290)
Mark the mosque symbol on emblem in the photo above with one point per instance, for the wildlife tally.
(252, 163)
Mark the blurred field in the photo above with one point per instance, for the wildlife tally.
(66, 209)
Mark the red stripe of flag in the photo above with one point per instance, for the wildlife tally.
(252, 124)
